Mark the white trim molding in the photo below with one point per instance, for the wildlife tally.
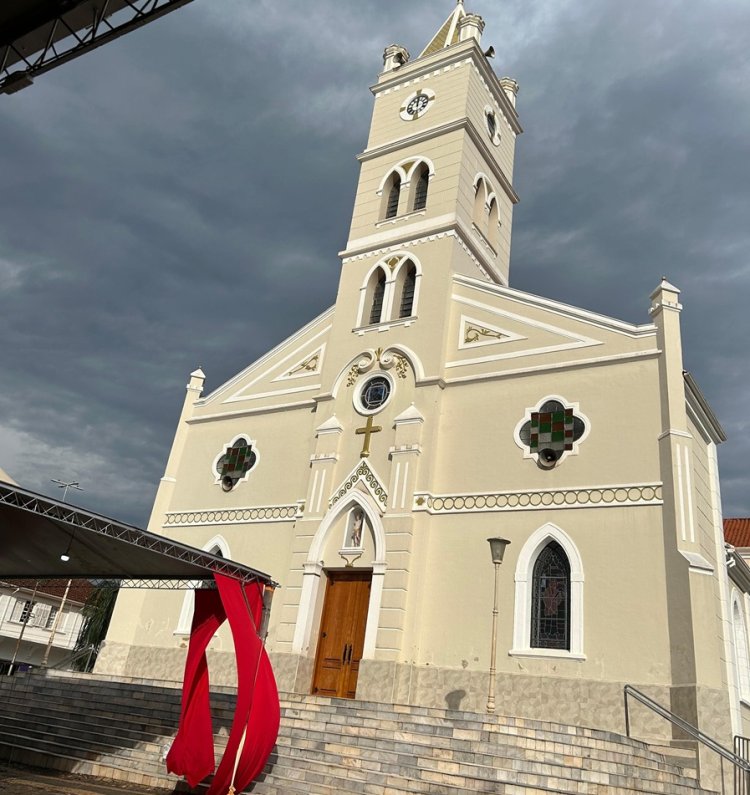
(524, 581)
(313, 569)
(185, 621)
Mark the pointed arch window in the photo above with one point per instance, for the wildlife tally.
(407, 291)
(550, 600)
(420, 194)
(493, 225)
(394, 192)
(219, 547)
(378, 294)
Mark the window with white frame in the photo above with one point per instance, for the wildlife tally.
(404, 188)
(216, 546)
(548, 619)
(390, 291)
(22, 611)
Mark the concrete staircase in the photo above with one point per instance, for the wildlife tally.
(120, 729)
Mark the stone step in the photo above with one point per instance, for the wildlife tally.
(468, 750)
(328, 745)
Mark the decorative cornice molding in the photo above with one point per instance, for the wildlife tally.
(453, 228)
(247, 412)
(609, 496)
(406, 449)
(249, 515)
(557, 307)
(463, 123)
(318, 458)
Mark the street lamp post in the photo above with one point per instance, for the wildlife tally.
(497, 549)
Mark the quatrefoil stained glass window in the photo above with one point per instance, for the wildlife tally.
(552, 430)
(236, 462)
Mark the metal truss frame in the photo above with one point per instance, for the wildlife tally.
(65, 41)
(101, 525)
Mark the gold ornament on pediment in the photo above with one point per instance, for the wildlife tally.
(310, 365)
(385, 358)
(474, 333)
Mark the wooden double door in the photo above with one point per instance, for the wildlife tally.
(342, 633)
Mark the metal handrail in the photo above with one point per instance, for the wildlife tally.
(688, 728)
(79, 654)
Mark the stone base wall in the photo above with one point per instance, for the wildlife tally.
(579, 702)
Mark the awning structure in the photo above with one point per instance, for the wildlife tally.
(36, 531)
(38, 35)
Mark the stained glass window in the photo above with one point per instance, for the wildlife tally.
(420, 195)
(375, 393)
(407, 296)
(551, 431)
(391, 209)
(238, 460)
(550, 605)
(377, 298)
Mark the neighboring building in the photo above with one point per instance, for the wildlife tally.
(29, 613)
(737, 535)
(365, 460)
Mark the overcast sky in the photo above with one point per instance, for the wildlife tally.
(178, 199)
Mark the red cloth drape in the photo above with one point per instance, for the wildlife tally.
(256, 719)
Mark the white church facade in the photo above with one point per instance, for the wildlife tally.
(365, 461)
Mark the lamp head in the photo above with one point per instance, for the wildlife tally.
(497, 548)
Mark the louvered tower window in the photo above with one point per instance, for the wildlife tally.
(407, 296)
(391, 209)
(550, 606)
(377, 299)
(420, 195)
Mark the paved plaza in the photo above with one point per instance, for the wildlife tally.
(25, 781)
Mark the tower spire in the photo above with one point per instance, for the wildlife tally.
(448, 32)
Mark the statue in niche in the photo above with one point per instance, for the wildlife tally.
(356, 524)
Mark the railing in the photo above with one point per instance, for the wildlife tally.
(742, 749)
(741, 766)
(84, 653)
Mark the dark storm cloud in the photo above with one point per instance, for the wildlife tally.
(178, 198)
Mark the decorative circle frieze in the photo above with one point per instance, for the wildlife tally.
(611, 496)
(265, 514)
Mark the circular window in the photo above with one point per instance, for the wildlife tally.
(374, 394)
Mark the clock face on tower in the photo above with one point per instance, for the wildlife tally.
(417, 104)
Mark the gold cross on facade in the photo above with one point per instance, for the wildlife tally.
(368, 430)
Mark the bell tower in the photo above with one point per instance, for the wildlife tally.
(439, 157)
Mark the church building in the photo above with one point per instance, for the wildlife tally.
(366, 460)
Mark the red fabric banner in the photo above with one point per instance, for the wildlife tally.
(257, 713)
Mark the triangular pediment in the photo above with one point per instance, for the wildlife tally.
(478, 333)
(362, 476)
(291, 371)
(309, 365)
(510, 334)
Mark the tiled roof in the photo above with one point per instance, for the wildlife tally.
(80, 590)
(737, 532)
